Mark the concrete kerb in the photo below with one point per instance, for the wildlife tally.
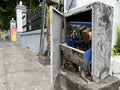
(67, 80)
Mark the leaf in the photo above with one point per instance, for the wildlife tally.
(2, 10)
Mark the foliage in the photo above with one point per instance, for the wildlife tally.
(7, 10)
(118, 35)
(6, 13)
(115, 52)
(116, 48)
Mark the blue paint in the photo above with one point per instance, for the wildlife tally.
(70, 43)
(88, 55)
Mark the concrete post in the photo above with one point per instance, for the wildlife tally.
(20, 11)
(13, 29)
(12, 23)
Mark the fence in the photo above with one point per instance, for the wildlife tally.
(33, 20)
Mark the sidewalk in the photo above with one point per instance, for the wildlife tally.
(20, 69)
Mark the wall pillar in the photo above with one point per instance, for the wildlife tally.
(13, 30)
(20, 13)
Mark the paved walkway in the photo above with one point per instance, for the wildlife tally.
(20, 70)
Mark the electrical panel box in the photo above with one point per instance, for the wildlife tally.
(83, 37)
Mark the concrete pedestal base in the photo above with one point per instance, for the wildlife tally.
(44, 60)
(67, 80)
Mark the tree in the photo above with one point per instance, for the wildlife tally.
(7, 10)
(6, 13)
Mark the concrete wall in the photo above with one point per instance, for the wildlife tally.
(32, 40)
(70, 4)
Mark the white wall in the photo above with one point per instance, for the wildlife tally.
(116, 19)
(80, 3)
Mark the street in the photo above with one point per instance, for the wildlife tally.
(20, 69)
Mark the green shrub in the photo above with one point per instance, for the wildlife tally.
(116, 48)
(115, 52)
